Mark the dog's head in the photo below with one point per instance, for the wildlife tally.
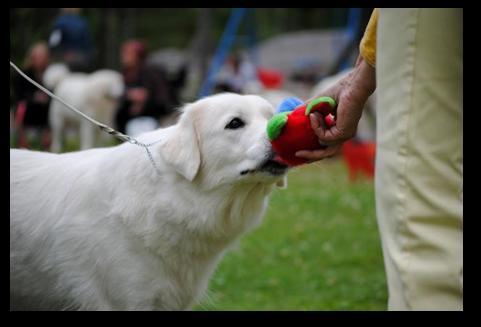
(222, 139)
(54, 74)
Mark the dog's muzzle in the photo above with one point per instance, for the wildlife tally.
(270, 166)
(273, 167)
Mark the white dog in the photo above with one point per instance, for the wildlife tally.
(94, 94)
(102, 230)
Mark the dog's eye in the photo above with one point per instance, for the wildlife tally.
(235, 123)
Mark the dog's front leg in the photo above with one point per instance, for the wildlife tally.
(57, 134)
(87, 135)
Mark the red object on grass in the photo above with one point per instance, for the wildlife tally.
(359, 157)
(270, 78)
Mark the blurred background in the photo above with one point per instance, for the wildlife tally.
(133, 68)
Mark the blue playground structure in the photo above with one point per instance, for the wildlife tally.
(231, 32)
(225, 44)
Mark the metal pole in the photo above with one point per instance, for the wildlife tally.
(220, 55)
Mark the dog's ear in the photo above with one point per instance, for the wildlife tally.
(181, 147)
(282, 183)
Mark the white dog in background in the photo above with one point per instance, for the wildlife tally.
(95, 94)
(102, 230)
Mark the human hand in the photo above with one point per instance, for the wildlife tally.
(351, 94)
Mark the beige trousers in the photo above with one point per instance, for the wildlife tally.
(419, 163)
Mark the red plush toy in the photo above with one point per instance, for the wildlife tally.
(291, 131)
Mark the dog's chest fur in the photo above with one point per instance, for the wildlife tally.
(173, 251)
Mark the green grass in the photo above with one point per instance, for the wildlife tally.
(318, 248)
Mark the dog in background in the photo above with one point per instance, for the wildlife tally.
(94, 94)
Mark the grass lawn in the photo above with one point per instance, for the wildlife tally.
(318, 248)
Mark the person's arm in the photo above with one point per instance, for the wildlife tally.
(367, 47)
(350, 93)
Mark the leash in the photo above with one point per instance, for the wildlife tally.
(103, 127)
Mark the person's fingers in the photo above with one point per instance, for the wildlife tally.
(318, 125)
(327, 136)
(332, 136)
(318, 154)
(319, 117)
(311, 155)
(315, 121)
(333, 150)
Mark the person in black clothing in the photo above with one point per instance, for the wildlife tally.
(71, 41)
(147, 91)
(31, 103)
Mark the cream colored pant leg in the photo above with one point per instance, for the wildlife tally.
(419, 156)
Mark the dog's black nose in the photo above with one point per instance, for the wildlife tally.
(271, 154)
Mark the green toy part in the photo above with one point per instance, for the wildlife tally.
(315, 102)
(275, 125)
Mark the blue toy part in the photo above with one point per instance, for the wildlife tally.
(288, 104)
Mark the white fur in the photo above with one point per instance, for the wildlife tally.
(94, 94)
(100, 230)
(54, 74)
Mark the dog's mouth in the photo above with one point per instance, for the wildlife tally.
(273, 167)
(270, 166)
